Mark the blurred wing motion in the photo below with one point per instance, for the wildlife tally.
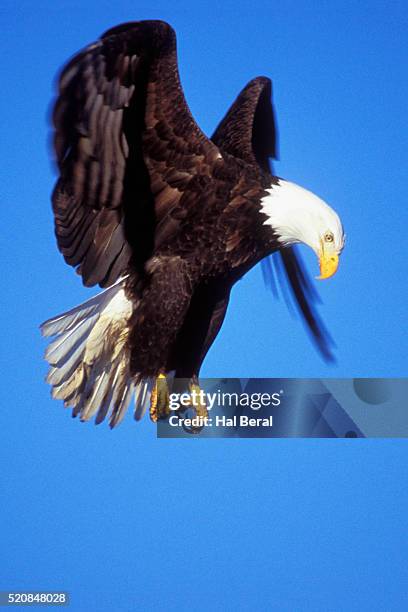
(286, 268)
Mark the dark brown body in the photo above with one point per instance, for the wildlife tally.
(188, 280)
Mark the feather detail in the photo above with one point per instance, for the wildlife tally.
(90, 358)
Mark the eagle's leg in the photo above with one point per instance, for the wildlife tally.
(198, 403)
(157, 321)
(159, 401)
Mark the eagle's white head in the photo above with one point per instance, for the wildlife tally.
(297, 215)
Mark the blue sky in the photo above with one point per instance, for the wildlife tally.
(128, 522)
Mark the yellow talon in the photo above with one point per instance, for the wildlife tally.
(159, 401)
(199, 407)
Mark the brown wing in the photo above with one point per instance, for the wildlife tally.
(249, 132)
(126, 147)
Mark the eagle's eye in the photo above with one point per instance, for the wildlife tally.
(328, 237)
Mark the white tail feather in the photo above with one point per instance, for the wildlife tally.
(90, 358)
(142, 397)
(67, 343)
(68, 319)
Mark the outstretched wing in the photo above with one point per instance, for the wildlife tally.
(126, 147)
(249, 131)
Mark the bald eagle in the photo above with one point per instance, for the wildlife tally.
(165, 219)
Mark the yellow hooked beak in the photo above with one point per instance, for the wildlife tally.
(329, 261)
